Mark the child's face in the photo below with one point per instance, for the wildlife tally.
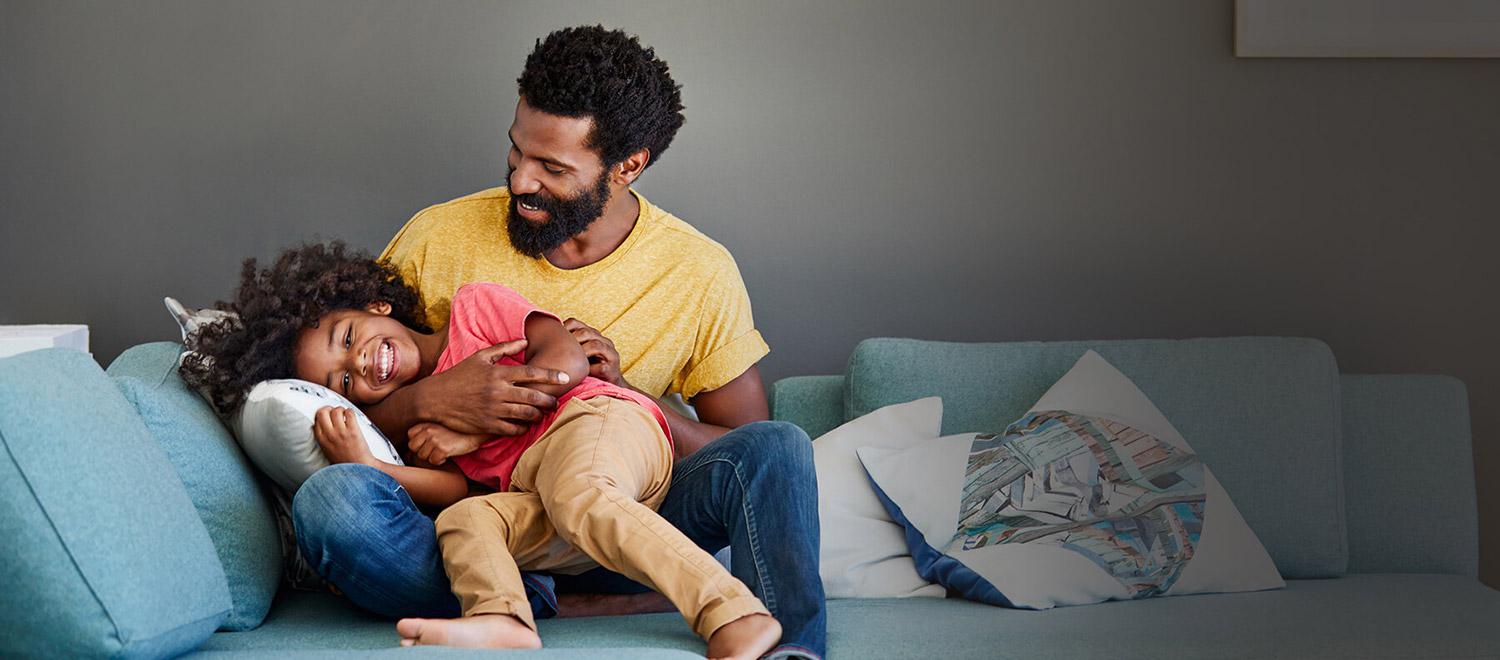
(363, 354)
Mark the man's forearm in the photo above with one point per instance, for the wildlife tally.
(397, 413)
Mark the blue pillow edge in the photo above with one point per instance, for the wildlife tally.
(246, 611)
(933, 565)
(117, 639)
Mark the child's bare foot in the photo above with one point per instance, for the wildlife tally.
(495, 631)
(745, 638)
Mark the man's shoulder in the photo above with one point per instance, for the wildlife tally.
(681, 238)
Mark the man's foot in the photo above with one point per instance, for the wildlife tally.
(745, 638)
(493, 631)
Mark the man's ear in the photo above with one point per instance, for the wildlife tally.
(630, 169)
(380, 307)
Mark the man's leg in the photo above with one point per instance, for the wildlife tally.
(754, 490)
(360, 531)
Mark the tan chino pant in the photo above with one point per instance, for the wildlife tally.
(586, 492)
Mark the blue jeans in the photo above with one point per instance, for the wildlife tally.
(753, 490)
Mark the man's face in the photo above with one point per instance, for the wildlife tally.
(558, 185)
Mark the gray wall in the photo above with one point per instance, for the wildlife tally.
(958, 170)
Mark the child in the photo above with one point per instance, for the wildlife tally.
(582, 484)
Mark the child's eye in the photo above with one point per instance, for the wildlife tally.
(349, 338)
(346, 383)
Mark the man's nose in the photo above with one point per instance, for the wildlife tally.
(523, 182)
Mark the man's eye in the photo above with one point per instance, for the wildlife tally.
(552, 170)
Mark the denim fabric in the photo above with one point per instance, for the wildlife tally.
(753, 490)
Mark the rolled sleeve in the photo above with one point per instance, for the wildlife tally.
(725, 364)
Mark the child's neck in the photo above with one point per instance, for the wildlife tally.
(430, 347)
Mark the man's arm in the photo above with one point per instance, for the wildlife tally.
(739, 402)
(476, 396)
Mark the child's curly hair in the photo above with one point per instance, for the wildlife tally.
(276, 304)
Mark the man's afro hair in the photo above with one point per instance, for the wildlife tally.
(276, 304)
(609, 76)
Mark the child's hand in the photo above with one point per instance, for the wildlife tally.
(337, 432)
(436, 443)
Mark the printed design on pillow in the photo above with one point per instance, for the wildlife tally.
(1124, 499)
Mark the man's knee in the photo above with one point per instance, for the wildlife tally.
(331, 497)
(776, 447)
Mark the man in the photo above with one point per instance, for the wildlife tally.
(658, 307)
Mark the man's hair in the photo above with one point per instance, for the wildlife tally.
(276, 304)
(610, 77)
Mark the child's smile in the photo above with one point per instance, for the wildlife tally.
(362, 354)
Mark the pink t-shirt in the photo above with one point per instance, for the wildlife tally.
(484, 314)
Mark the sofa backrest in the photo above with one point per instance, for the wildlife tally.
(1409, 475)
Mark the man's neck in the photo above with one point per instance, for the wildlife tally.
(602, 237)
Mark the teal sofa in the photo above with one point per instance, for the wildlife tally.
(1361, 488)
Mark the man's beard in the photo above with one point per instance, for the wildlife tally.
(566, 218)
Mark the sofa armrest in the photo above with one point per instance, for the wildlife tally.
(815, 403)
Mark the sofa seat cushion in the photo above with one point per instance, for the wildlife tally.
(1357, 616)
(1363, 616)
(309, 624)
(1254, 408)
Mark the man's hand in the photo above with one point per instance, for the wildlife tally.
(436, 443)
(604, 360)
(480, 397)
(337, 432)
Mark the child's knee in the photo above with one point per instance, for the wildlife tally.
(463, 514)
(574, 505)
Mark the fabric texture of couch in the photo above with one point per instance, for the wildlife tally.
(1361, 488)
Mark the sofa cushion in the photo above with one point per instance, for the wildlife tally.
(864, 553)
(1091, 496)
(223, 486)
(1253, 406)
(104, 553)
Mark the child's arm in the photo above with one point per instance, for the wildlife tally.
(337, 432)
(550, 346)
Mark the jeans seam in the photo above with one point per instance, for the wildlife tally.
(768, 594)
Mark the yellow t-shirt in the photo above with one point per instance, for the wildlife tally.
(669, 297)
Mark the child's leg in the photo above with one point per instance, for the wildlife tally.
(484, 541)
(600, 469)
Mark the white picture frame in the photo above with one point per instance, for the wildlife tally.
(1367, 28)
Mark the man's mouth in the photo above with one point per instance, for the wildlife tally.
(385, 362)
(531, 212)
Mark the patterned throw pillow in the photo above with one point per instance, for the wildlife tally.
(1090, 496)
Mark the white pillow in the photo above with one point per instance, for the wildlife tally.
(864, 553)
(1049, 514)
(274, 428)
